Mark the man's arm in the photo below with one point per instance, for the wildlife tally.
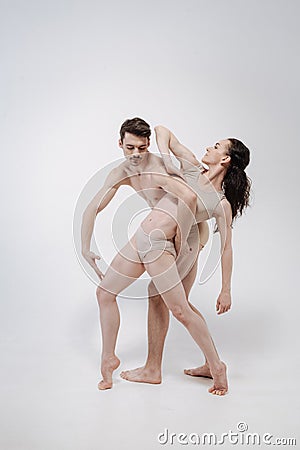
(166, 141)
(114, 180)
(224, 219)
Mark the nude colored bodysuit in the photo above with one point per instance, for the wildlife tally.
(207, 200)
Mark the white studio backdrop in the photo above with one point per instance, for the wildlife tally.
(71, 73)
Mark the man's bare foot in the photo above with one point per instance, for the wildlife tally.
(142, 375)
(203, 371)
(220, 386)
(107, 367)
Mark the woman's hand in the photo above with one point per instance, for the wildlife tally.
(91, 257)
(223, 302)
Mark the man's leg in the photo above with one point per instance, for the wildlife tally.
(158, 324)
(123, 271)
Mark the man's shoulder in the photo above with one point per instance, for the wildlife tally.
(118, 175)
(155, 165)
(121, 168)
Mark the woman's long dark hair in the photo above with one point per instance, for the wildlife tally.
(236, 184)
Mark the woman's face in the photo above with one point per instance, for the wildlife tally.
(218, 153)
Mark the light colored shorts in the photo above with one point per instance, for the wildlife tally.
(185, 261)
(146, 243)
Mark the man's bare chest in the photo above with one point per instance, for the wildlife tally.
(147, 186)
(143, 181)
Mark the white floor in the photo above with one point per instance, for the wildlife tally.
(50, 399)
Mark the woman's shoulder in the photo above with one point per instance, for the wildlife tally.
(223, 208)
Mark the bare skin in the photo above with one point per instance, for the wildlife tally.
(202, 371)
(147, 175)
(175, 300)
(158, 316)
(158, 324)
(108, 365)
(108, 309)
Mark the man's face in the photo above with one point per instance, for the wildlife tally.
(218, 153)
(135, 148)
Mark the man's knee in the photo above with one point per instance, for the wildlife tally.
(181, 314)
(153, 295)
(156, 302)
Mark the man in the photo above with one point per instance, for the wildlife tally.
(146, 173)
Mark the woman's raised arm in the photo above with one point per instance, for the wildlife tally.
(166, 141)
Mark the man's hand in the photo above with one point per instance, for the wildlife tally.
(223, 302)
(90, 257)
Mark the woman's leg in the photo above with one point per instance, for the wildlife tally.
(204, 370)
(176, 300)
(123, 271)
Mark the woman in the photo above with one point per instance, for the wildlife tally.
(229, 196)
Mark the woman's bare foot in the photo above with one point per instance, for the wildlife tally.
(220, 386)
(203, 371)
(142, 375)
(108, 365)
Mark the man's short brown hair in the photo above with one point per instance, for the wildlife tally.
(135, 126)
